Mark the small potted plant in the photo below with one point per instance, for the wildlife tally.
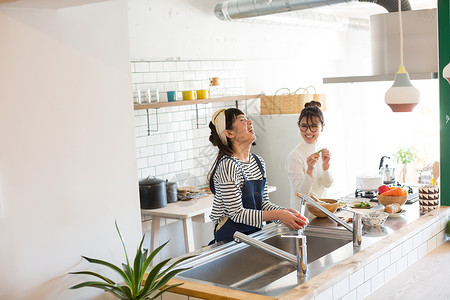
(133, 287)
(405, 156)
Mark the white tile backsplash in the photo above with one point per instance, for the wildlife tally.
(417, 240)
(377, 281)
(407, 246)
(179, 132)
(412, 257)
(432, 243)
(156, 66)
(350, 296)
(341, 288)
(370, 270)
(356, 279)
(402, 264)
(325, 295)
(384, 261)
(390, 272)
(363, 290)
(396, 254)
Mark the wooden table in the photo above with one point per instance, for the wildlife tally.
(195, 210)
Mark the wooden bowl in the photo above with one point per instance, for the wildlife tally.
(386, 200)
(331, 205)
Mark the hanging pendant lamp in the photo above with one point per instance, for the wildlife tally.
(446, 72)
(402, 96)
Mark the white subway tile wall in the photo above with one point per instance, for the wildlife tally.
(177, 147)
(378, 272)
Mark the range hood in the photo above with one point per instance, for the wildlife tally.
(420, 47)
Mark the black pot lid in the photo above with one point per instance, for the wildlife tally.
(150, 181)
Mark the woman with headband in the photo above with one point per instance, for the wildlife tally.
(238, 181)
(308, 165)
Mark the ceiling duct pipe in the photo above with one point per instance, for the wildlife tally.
(241, 9)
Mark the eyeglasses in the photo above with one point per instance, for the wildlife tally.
(312, 128)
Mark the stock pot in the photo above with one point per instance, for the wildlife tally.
(152, 193)
(368, 182)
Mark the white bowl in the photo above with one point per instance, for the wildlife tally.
(374, 218)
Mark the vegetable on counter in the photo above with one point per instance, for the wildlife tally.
(382, 189)
(362, 204)
(395, 192)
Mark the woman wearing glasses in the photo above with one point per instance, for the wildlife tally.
(308, 165)
(238, 180)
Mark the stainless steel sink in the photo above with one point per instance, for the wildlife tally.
(250, 268)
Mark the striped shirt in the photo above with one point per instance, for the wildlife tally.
(228, 182)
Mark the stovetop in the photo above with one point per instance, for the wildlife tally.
(413, 195)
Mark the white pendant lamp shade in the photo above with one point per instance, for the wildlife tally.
(446, 72)
(402, 96)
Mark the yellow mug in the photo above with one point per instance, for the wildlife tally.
(189, 95)
(203, 94)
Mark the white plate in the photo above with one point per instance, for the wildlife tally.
(397, 214)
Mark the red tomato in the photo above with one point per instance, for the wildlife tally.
(382, 189)
(301, 217)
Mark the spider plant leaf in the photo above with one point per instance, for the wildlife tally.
(127, 291)
(111, 266)
(143, 268)
(124, 249)
(138, 263)
(153, 276)
(106, 279)
(149, 259)
(97, 284)
(129, 272)
(167, 277)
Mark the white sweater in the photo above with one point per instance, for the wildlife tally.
(296, 167)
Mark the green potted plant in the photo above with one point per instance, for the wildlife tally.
(133, 287)
(405, 156)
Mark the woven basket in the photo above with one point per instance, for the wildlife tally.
(289, 103)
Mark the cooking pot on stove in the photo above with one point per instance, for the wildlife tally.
(368, 182)
(152, 193)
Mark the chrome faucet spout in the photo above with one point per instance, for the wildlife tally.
(299, 260)
(356, 230)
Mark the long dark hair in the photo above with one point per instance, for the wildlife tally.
(311, 112)
(230, 116)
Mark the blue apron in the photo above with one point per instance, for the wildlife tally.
(252, 198)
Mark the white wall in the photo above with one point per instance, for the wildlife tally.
(67, 154)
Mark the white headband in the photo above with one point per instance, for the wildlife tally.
(220, 122)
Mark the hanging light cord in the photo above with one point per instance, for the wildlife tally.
(401, 31)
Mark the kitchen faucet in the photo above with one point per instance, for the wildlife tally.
(356, 230)
(299, 260)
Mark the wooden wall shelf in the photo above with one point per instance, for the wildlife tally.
(192, 102)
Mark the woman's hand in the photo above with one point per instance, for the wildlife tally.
(326, 156)
(293, 221)
(311, 162)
